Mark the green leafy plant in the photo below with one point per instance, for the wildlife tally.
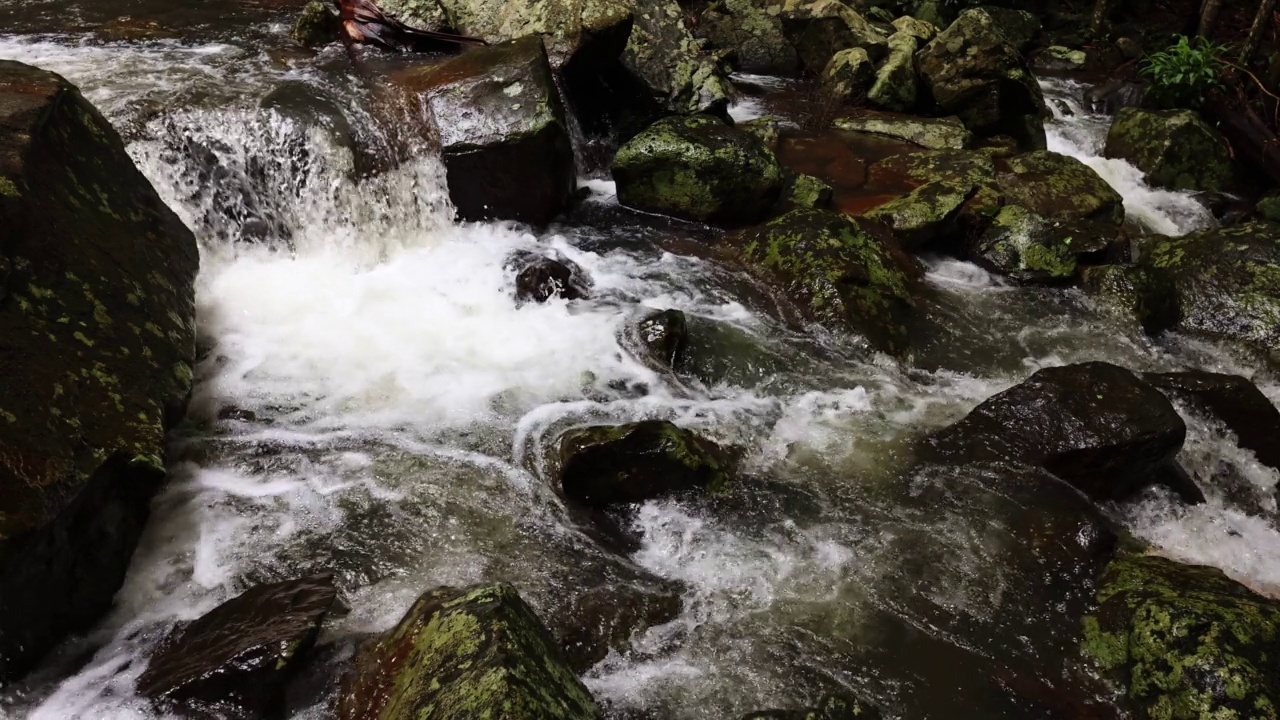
(1185, 74)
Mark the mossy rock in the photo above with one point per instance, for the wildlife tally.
(932, 133)
(897, 86)
(1019, 244)
(421, 14)
(698, 168)
(752, 34)
(1268, 208)
(1060, 187)
(967, 172)
(1019, 27)
(925, 214)
(848, 76)
(1057, 58)
(1174, 148)
(672, 63)
(465, 653)
(609, 465)
(922, 30)
(974, 73)
(838, 271)
(1147, 294)
(1228, 280)
(818, 29)
(97, 345)
(805, 192)
(1185, 642)
(317, 25)
(589, 30)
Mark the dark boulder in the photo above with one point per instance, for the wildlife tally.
(1060, 187)
(698, 168)
(1233, 400)
(540, 278)
(1228, 280)
(1144, 293)
(974, 73)
(317, 25)
(839, 272)
(1094, 425)
(818, 29)
(754, 36)
(1032, 249)
(672, 64)
(1174, 148)
(660, 339)
(607, 616)
(97, 342)
(502, 132)
(234, 661)
(1185, 641)
(473, 652)
(610, 465)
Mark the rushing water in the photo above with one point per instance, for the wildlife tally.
(371, 401)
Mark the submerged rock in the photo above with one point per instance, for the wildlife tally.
(1094, 425)
(609, 465)
(1060, 187)
(660, 338)
(234, 661)
(1185, 641)
(607, 616)
(818, 29)
(465, 653)
(896, 86)
(830, 707)
(1233, 400)
(839, 272)
(97, 342)
(502, 132)
(541, 278)
(1228, 280)
(698, 168)
(975, 74)
(1175, 148)
(1146, 293)
(932, 133)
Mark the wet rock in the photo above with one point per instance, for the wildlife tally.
(1094, 425)
(312, 107)
(472, 652)
(1145, 293)
(1060, 187)
(818, 29)
(830, 707)
(541, 278)
(921, 30)
(1114, 95)
(678, 72)
(661, 337)
(502, 132)
(848, 76)
(1031, 249)
(830, 265)
(975, 74)
(805, 192)
(1228, 280)
(610, 465)
(1019, 27)
(1058, 58)
(587, 31)
(698, 168)
(420, 14)
(925, 214)
(753, 35)
(767, 129)
(964, 172)
(896, 86)
(317, 25)
(234, 661)
(1184, 641)
(1175, 148)
(1233, 400)
(97, 342)
(932, 133)
(608, 616)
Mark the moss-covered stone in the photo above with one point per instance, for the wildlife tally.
(1175, 148)
(1060, 187)
(1228, 280)
(1268, 208)
(474, 652)
(1057, 57)
(933, 133)
(839, 272)
(848, 76)
(974, 73)
(922, 30)
(1019, 27)
(1185, 642)
(1019, 244)
(317, 25)
(805, 192)
(698, 168)
(818, 29)
(608, 465)
(594, 29)
(421, 14)
(896, 86)
(663, 53)
(98, 311)
(964, 172)
(1145, 293)
(925, 214)
(753, 35)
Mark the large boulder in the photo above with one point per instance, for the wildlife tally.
(1145, 293)
(660, 339)
(428, 15)
(502, 131)
(752, 34)
(97, 341)
(818, 29)
(1228, 280)
(1060, 187)
(671, 62)
(848, 76)
(839, 272)
(465, 653)
(966, 173)
(1174, 148)
(1032, 249)
(1019, 27)
(1094, 425)
(1184, 641)
(609, 465)
(234, 661)
(1235, 401)
(698, 168)
(924, 215)
(932, 133)
(574, 31)
(896, 86)
(974, 73)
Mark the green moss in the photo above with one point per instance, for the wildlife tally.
(9, 189)
(1175, 149)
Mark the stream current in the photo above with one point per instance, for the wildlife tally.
(371, 402)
